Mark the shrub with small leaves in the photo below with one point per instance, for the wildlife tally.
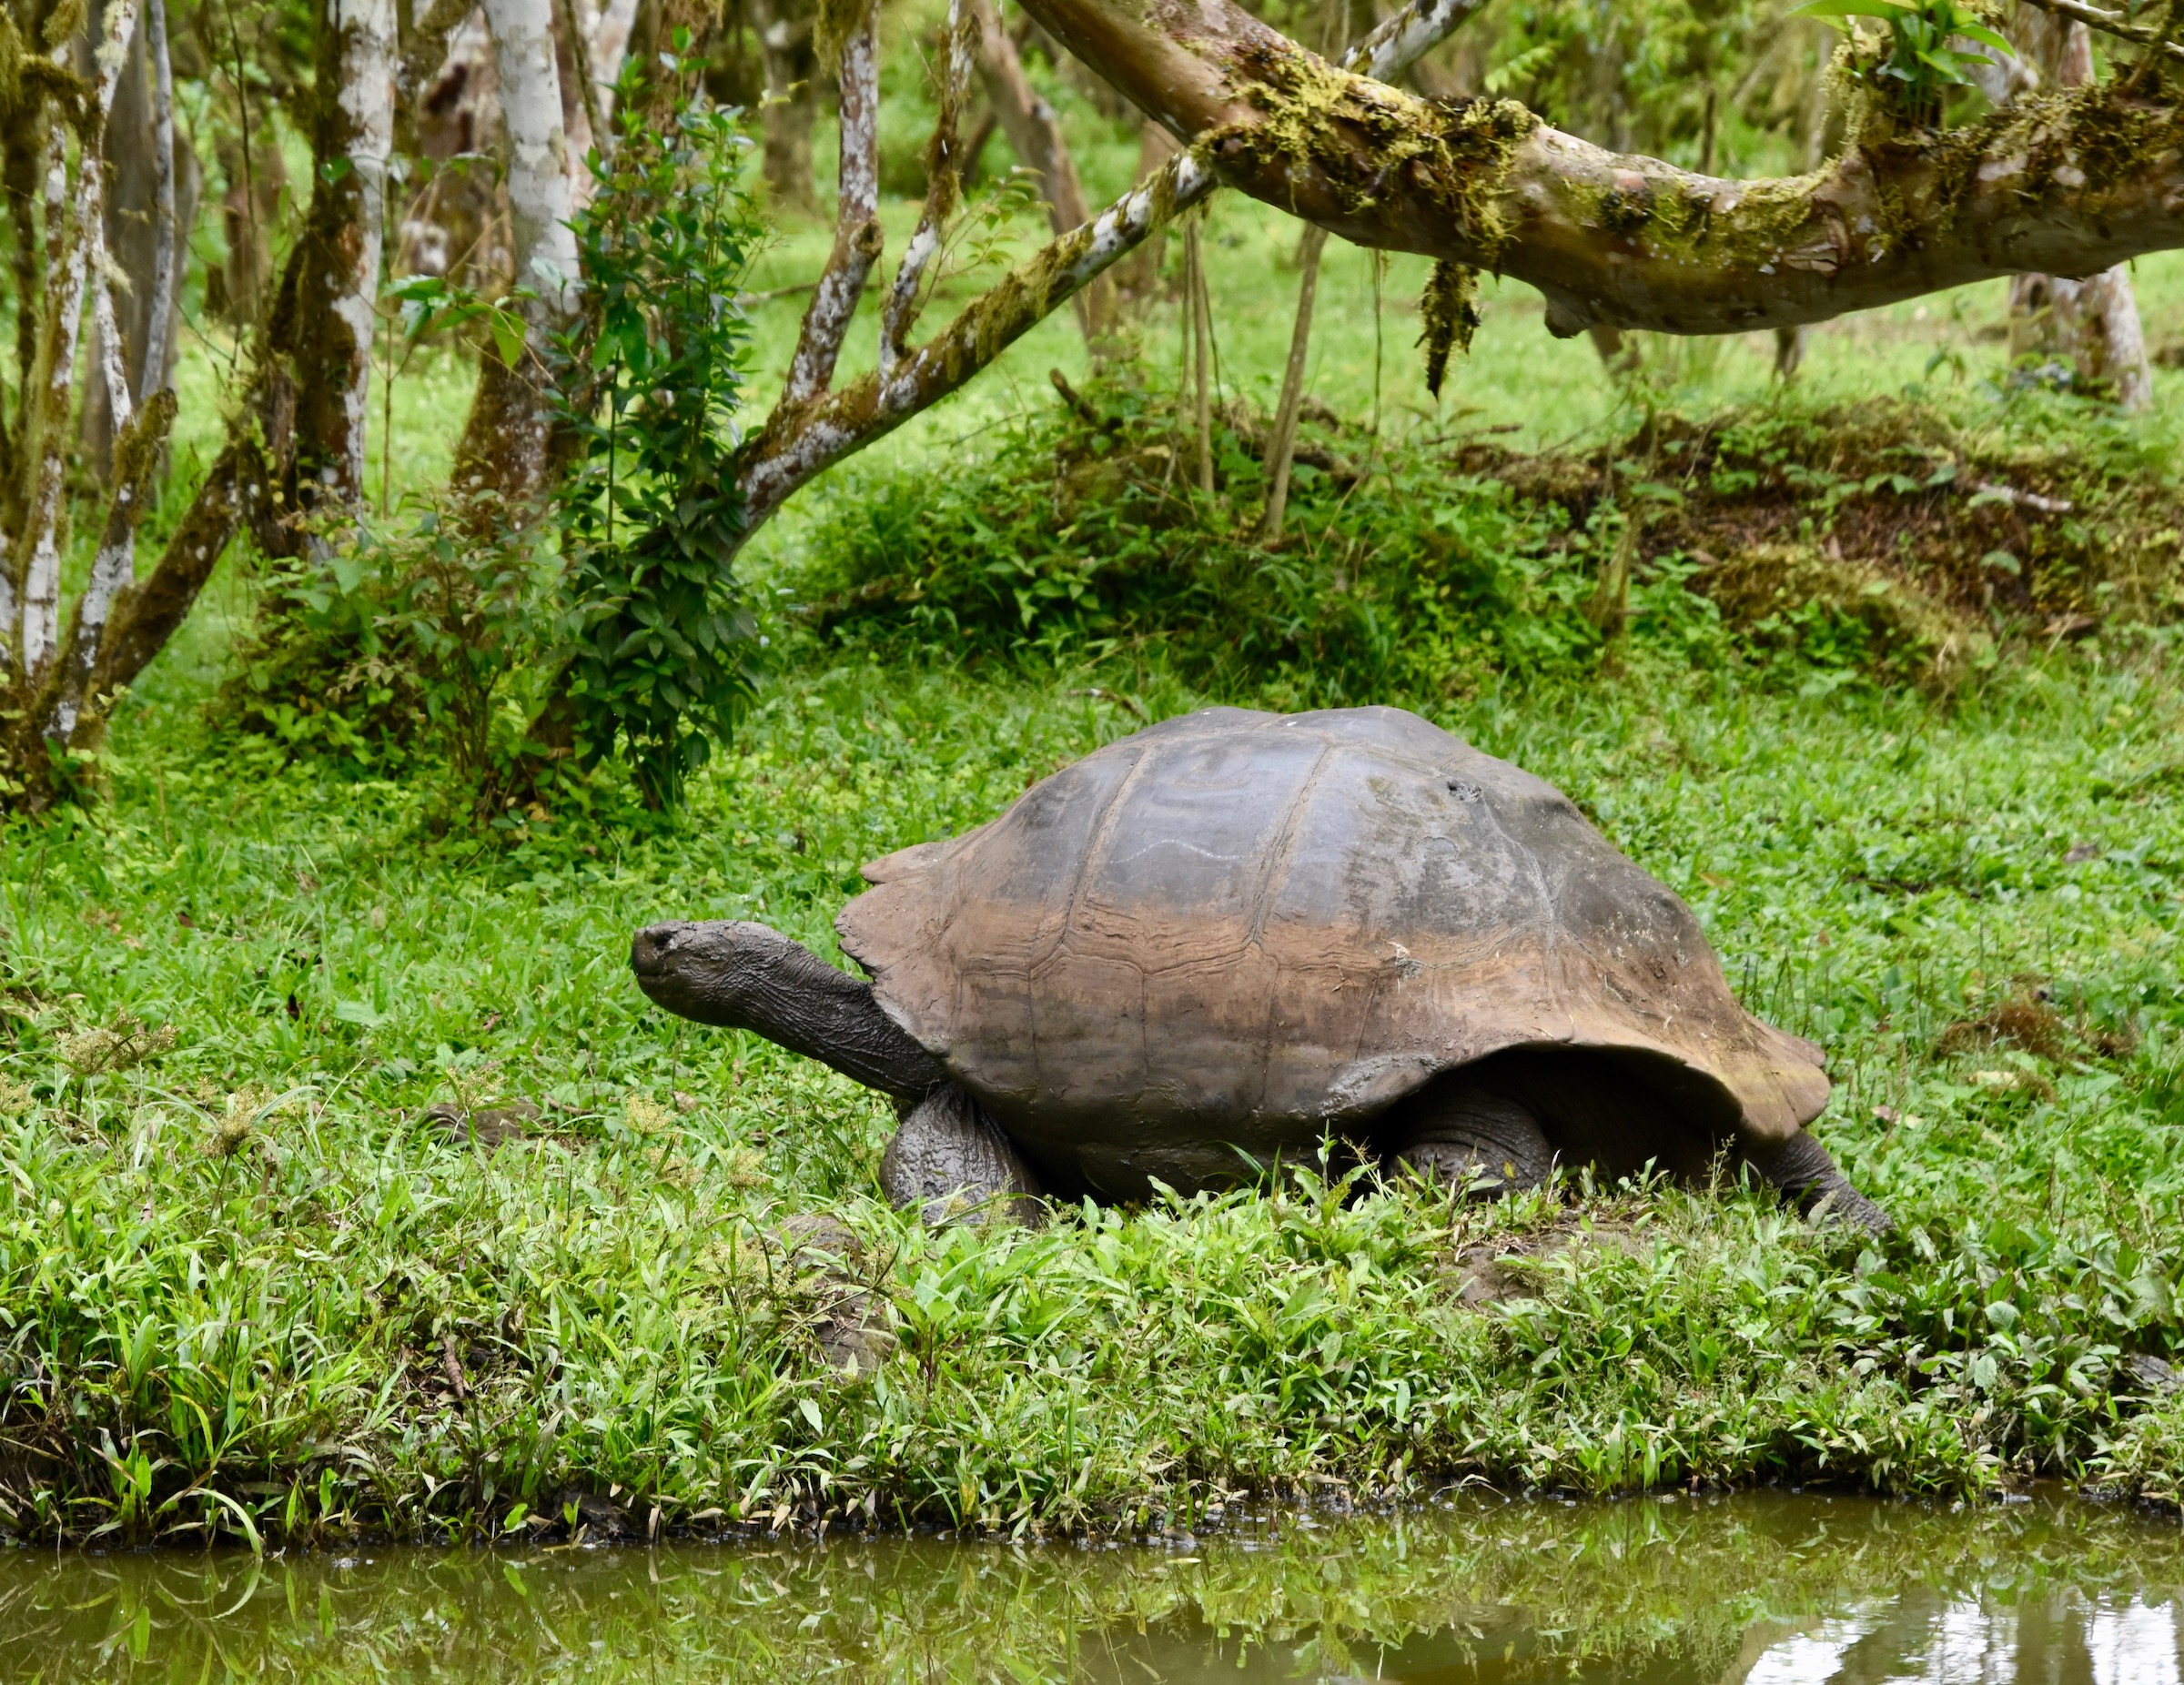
(651, 519)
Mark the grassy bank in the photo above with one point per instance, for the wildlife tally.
(249, 1280)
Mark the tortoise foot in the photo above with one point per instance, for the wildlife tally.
(1473, 1140)
(1810, 1178)
(951, 1163)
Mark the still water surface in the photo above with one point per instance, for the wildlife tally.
(1762, 1589)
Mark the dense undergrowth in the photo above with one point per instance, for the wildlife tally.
(252, 1279)
(1891, 539)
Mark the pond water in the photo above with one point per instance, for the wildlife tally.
(1759, 1588)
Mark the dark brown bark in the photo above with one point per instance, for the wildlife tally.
(791, 111)
(1035, 131)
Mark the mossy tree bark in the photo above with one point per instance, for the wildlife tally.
(325, 313)
(1035, 132)
(2070, 182)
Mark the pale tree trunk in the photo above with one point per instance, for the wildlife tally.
(154, 192)
(856, 217)
(1035, 131)
(76, 247)
(505, 444)
(2092, 324)
(600, 42)
(326, 329)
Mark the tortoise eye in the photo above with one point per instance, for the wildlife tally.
(1463, 790)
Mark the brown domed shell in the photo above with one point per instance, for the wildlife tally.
(1244, 929)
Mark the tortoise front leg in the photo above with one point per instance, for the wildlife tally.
(1471, 1139)
(1806, 1172)
(951, 1162)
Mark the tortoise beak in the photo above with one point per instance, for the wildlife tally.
(655, 959)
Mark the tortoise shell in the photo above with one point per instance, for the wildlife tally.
(1234, 932)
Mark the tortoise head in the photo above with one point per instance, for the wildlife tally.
(711, 972)
(747, 977)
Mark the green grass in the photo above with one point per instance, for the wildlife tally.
(248, 1285)
(234, 1277)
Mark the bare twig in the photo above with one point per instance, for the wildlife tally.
(2109, 23)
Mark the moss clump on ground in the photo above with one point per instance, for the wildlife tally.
(311, 1264)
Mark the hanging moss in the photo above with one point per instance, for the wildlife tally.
(1449, 310)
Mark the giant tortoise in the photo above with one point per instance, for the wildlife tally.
(1234, 935)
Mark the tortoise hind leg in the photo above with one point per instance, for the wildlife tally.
(950, 1161)
(1806, 1172)
(1468, 1137)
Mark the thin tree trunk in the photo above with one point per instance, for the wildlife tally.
(76, 244)
(1035, 131)
(1281, 451)
(325, 318)
(791, 109)
(505, 444)
(1199, 303)
(2093, 324)
(166, 220)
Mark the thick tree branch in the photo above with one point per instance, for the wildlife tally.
(856, 217)
(2070, 183)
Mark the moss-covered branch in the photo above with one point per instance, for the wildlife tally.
(2069, 184)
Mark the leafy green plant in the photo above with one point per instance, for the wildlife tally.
(650, 376)
(433, 634)
(1922, 62)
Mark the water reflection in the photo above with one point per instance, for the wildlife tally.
(1759, 1589)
